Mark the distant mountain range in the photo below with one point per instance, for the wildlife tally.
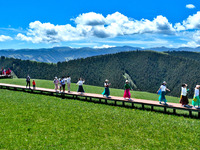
(60, 54)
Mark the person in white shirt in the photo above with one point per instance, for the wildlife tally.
(56, 81)
(184, 99)
(163, 89)
(80, 85)
(68, 80)
(196, 101)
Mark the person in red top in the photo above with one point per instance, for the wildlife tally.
(34, 84)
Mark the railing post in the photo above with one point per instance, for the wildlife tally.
(174, 111)
(190, 113)
(133, 105)
(143, 106)
(151, 107)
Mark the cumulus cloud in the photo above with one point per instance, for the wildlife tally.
(192, 22)
(190, 6)
(89, 25)
(5, 38)
(90, 19)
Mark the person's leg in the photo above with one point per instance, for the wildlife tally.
(63, 88)
(68, 86)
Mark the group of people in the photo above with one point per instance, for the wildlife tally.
(183, 99)
(6, 72)
(61, 82)
(28, 82)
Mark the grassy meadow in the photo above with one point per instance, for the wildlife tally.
(34, 121)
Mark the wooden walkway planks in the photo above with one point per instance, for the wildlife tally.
(151, 103)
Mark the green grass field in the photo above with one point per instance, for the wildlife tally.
(34, 121)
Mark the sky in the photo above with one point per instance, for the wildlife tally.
(106, 23)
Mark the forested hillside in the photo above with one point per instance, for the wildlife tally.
(146, 70)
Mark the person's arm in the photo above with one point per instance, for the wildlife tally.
(158, 90)
(168, 89)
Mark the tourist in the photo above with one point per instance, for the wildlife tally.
(127, 88)
(34, 84)
(60, 84)
(68, 83)
(56, 81)
(28, 81)
(106, 91)
(184, 99)
(163, 89)
(63, 84)
(196, 101)
(80, 85)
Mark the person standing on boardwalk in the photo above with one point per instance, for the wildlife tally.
(80, 85)
(196, 101)
(63, 84)
(56, 81)
(127, 88)
(106, 91)
(28, 81)
(68, 83)
(163, 89)
(34, 84)
(184, 99)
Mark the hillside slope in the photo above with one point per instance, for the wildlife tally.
(146, 69)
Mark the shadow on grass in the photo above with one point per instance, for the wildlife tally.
(109, 102)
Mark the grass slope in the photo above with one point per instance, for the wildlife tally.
(33, 121)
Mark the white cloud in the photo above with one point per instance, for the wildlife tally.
(104, 46)
(190, 6)
(5, 38)
(192, 22)
(91, 24)
(90, 19)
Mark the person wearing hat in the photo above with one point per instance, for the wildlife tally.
(163, 89)
(106, 91)
(56, 81)
(184, 99)
(196, 101)
(80, 85)
(127, 88)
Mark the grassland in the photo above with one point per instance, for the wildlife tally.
(33, 121)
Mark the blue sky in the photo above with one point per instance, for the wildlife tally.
(144, 23)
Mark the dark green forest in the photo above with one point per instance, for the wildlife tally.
(145, 69)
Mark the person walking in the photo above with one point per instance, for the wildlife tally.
(163, 89)
(56, 81)
(195, 100)
(63, 84)
(184, 99)
(68, 83)
(106, 91)
(28, 81)
(80, 85)
(127, 88)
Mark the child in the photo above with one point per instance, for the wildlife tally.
(184, 99)
(80, 87)
(56, 81)
(127, 88)
(63, 84)
(163, 89)
(196, 101)
(106, 91)
(34, 84)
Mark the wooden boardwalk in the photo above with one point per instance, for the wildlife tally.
(90, 96)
